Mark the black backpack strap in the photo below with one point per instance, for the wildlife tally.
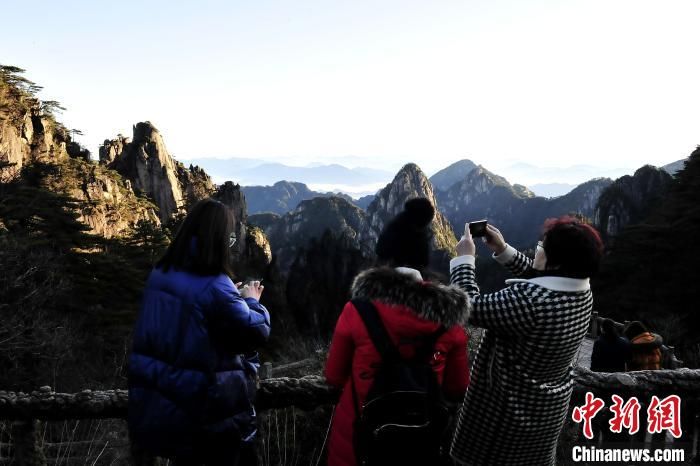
(428, 347)
(376, 329)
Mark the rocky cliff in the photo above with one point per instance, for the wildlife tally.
(408, 183)
(324, 269)
(317, 249)
(266, 222)
(34, 143)
(145, 162)
(630, 199)
(311, 219)
(29, 131)
(107, 204)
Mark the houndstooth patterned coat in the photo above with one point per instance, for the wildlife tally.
(522, 379)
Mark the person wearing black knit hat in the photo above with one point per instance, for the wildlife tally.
(411, 310)
(405, 240)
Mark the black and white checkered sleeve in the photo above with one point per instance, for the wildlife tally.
(462, 274)
(515, 261)
(510, 310)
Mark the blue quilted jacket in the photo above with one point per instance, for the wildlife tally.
(189, 376)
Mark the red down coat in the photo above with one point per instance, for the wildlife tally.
(410, 308)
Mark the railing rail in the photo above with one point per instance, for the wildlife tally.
(312, 391)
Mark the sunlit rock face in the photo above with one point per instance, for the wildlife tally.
(106, 203)
(28, 134)
(153, 172)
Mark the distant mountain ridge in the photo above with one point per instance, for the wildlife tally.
(674, 167)
(285, 196)
(513, 208)
(448, 176)
(251, 173)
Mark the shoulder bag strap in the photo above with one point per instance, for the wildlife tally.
(376, 329)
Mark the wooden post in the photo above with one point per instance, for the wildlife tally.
(26, 443)
(594, 325)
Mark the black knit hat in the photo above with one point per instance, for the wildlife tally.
(405, 240)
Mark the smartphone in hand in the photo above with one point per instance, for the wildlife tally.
(478, 228)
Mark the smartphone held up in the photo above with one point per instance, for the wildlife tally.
(478, 228)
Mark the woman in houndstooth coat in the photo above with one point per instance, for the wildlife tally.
(522, 379)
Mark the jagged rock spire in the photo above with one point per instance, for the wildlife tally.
(146, 162)
(408, 183)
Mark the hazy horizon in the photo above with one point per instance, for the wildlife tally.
(547, 181)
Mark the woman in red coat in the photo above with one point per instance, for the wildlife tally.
(410, 308)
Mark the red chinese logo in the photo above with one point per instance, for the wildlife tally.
(587, 412)
(662, 415)
(625, 415)
(665, 415)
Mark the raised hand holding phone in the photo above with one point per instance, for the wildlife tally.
(494, 239)
(466, 246)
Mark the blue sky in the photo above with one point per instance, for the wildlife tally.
(554, 83)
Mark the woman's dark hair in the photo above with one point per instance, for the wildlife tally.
(201, 245)
(634, 329)
(573, 249)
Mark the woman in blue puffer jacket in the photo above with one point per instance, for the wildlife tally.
(192, 370)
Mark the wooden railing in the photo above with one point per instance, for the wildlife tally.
(26, 410)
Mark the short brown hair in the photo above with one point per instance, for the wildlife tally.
(574, 249)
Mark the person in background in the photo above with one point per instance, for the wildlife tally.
(411, 309)
(611, 352)
(646, 356)
(522, 378)
(192, 369)
(646, 347)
